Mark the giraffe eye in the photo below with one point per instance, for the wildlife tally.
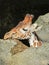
(24, 29)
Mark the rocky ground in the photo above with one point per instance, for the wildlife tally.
(14, 52)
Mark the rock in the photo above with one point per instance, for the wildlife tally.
(44, 32)
(45, 18)
(33, 56)
(5, 47)
(8, 48)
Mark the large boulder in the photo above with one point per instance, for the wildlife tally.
(44, 32)
(33, 56)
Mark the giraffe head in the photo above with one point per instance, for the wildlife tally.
(27, 21)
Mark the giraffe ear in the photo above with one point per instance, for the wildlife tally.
(38, 28)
